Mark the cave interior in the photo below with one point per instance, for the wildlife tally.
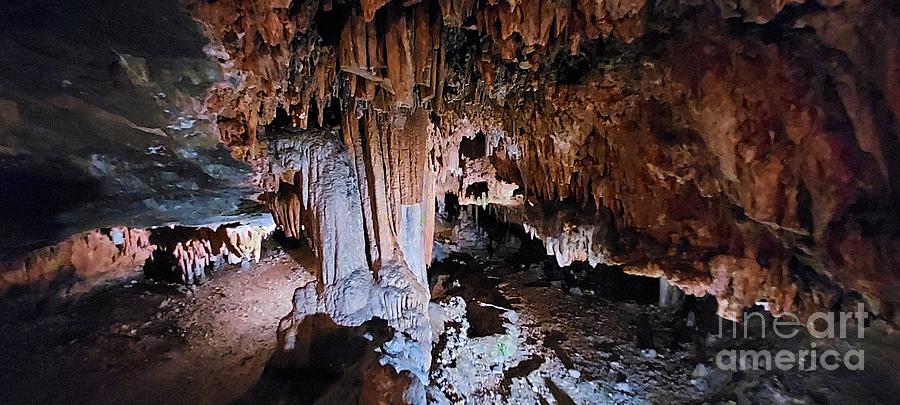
(450, 201)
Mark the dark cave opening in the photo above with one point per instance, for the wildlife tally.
(160, 267)
(476, 189)
(473, 148)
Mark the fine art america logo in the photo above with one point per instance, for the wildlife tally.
(821, 325)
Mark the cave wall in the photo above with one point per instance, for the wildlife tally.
(90, 259)
(731, 157)
(743, 150)
(103, 123)
(86, 259)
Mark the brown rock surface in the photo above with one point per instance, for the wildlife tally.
(755, 151)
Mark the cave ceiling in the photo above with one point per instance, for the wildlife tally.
(740, 149)
(103, 122)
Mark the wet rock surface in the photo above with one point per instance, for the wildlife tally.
(609, 349)
(588, 336)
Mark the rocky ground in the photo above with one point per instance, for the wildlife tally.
(522, 330)
(511, 327)
(149, 342)
(602, 341)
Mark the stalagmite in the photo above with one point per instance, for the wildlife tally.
(749, 164)
(328, 199)
(742, 151)
(574, 243)
(669, 295)
(196, 249)
(347, 290)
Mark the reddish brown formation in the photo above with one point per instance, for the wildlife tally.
(195, 249)
(672, 145)
(91, 257)
(399, 57)
(738, 283)
(262, 45)
(742, 162)
(529, 27)
(285, 206)
(390, 163)
(386, 67)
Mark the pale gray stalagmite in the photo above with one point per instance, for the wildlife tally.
(316, 163)
(669, 294)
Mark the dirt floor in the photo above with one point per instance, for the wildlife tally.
(147, 342)
(514, 330)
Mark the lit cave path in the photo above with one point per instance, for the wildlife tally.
(146, 341)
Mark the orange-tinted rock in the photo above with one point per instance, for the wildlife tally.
(258, 43)
(92, 257)
(732, 161)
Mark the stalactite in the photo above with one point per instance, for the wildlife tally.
(389, 155)
(348, 290)
(196, 249)
(262, 45)
(328, 199)
(100, 255)
(574, 243)
(708, 140)
(400, 70)
(285, 207)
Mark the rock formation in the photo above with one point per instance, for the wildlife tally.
(317, 176)
(742, 150)
(190, 251)
(90, 258)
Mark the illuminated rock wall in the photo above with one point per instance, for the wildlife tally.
(727, 142)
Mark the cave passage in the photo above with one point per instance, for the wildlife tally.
(449, 202)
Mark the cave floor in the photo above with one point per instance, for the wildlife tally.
(579, 337)
(148, 342)
(534, 333)
(598, 336)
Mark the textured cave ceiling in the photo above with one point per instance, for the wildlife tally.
(741, 149)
